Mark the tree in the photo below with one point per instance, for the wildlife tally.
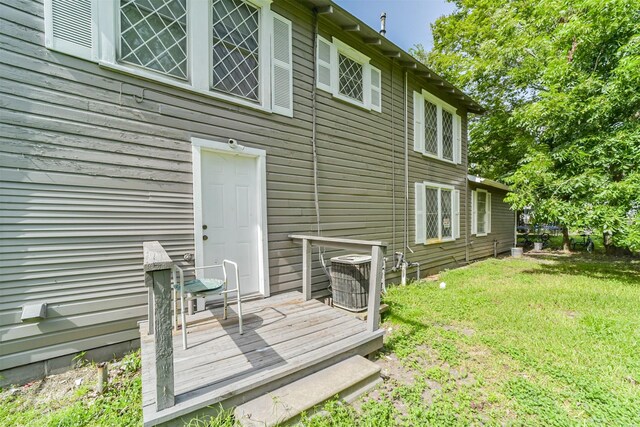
(561, 84)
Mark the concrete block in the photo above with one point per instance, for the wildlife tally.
(22, 374)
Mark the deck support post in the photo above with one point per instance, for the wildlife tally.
(306, 269)
(157, 268)
(375, 279)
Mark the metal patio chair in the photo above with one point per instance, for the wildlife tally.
(201, 288)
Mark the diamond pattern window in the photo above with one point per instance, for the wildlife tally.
(350, 78)
(153, 35)
(236, 44)
(447, 135)
(446, 217)
(431, 128)
(431, 213)
(437, 216)
(437, 128)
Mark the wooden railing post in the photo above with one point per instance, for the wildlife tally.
(377, 249)
(306, 269)
(150, 308)
(375, 279)
(157, 270)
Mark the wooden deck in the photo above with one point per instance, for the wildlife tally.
(285, 338)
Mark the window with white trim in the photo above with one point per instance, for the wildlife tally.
(235, 50)
(480, 212)
(437, 212)
(350, 78)
(347, 75)
(437, 129)
(153, 35)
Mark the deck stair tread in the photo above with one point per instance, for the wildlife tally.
(347, 379)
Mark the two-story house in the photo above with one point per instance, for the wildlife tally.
(219, 128)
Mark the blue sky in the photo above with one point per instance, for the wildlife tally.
(407, 20)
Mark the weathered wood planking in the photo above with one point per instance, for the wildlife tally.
(283, 334)
(158, 270)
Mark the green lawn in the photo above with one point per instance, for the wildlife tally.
(546, 341)
(551, 340)
(60, 401)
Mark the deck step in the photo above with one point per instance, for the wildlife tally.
(347, 379)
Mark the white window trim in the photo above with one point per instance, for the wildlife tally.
(338, 47)
(457, 130)
(346, 50)
(487, 214)
(199, 76)
(440, 187)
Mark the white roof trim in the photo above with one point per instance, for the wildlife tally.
(488, 182)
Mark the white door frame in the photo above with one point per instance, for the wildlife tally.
(197, 145)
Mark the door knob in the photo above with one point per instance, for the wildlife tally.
(204, 226)
(205, 237)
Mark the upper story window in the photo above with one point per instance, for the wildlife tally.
(437, 212)
(350, 78)
(347, 74)
(236, 46)
(437, 129)
(235, 50)
(480, 212)
(153, 35)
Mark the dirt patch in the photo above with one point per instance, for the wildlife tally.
(459, 329)
(462, 377)
(54, 390)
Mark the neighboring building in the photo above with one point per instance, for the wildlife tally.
(193, 123)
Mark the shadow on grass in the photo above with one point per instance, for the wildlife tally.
(622, 270)
(410, 333)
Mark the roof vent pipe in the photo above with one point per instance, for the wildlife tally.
(383, 24)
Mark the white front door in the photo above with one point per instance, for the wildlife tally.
(230, 224)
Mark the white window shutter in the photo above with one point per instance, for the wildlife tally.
(281, 67)
(70, 27)
(324, 56)
(487, 226)
(420, 216)
(418, 122)
(457, 147)
(376, 90)
(474, 212)
(456, 214)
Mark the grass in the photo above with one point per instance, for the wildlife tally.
(552, 340)
(549, 341)
(119, 405)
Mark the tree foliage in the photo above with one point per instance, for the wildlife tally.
(560, 80)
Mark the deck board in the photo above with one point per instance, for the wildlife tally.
(281, 333)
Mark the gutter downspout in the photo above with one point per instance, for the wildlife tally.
(406, 162)
(393, 167)
(515, 228)
(314, 120)
(467, 224)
